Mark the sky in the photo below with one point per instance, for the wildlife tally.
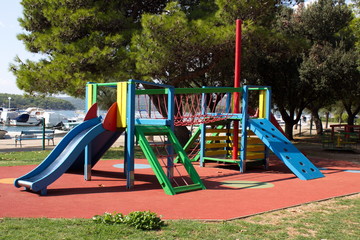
(10, 46)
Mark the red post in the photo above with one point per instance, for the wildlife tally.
(235, 153)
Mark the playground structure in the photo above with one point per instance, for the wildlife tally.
(152, 112)
(148, 114)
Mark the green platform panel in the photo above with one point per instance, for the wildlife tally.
(196, 183)
(284, 149)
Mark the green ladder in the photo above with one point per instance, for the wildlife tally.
(141, 133)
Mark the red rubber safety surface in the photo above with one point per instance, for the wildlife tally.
(72, 197)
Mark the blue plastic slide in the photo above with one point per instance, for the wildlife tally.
(98, 146)
(284, 149)
(63, 156)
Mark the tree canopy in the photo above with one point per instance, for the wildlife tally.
(81, 41)
(102, 41)
(330, 66)
(304, 54)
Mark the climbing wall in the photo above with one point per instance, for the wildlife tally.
(284, 149)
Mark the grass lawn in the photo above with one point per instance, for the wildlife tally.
(337, 218)
(333, 219)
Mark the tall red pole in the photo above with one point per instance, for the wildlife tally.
(237, 81)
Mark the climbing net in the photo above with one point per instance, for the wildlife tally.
(189, 109)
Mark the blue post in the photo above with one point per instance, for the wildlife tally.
(129, 164)
(87, 155)
(245, 123)
(170, 149)
(268, 117)
(203, 130)
(87, 164)
(268, 103)
(228, 103)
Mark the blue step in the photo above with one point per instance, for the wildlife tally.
(300, 165)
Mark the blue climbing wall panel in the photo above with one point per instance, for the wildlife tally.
(284, 149)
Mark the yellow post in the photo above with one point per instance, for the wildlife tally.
(121, 104)
(262, 104)
(89, 96)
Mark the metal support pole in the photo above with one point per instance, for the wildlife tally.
(130, 133)
(43, 133)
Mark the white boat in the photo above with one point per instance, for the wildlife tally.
(74, 121)
(34, 116)
(7, 114)
(53, 119)
(25, 119)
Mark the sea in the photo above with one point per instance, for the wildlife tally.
(65, 113)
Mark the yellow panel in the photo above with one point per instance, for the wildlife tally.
(218, 152)
(255, 155)
(216, 145)
(121, 104)
(254, 141)
(262, 103)
(255, 148)
(250, 133)
(217, 138)
(89, 96)
(212, 130)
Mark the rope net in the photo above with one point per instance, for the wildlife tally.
(188, 108)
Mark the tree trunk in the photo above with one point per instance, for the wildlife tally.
(350, 121)
(289, 130)
(183, 134)
(340, 118)
(289, 122)
(351, 114)
(327, 114)
(317, 121)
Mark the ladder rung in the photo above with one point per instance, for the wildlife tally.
(187, 188)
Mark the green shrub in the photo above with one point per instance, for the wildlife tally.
(108, 218)
(144, 220)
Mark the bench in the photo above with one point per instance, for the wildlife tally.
(35, 135)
